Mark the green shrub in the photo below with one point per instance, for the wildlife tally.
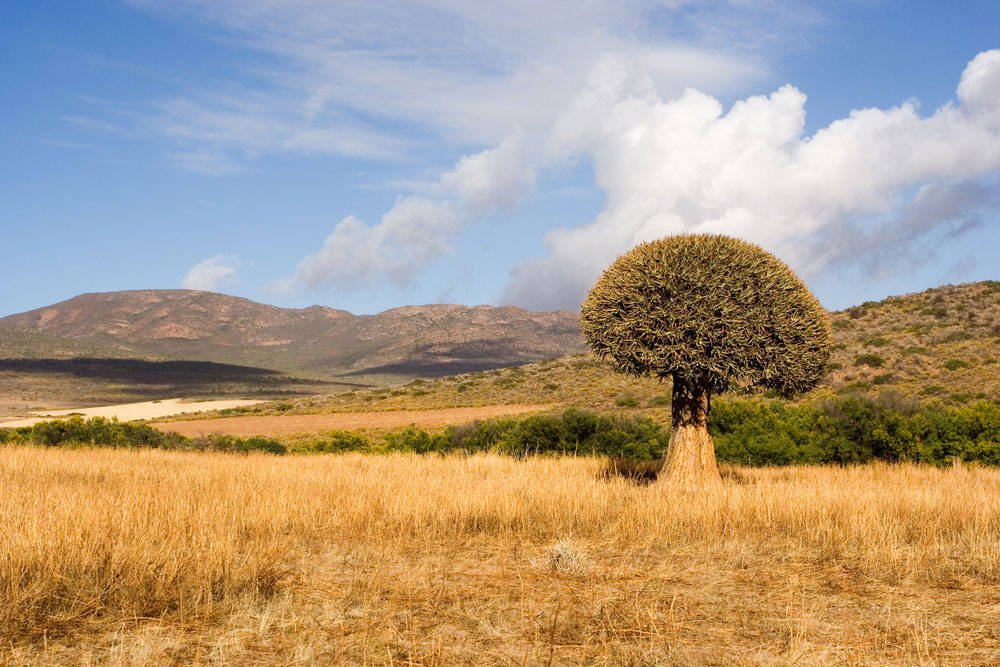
(774, 433)
(955, 364)
(870, 360)
(885, 378)
(855, 429)
(102, 432)
(627, 402)
(411, 439)
(336, 441)
(573, 432)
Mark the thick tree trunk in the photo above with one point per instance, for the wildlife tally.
(690, 459)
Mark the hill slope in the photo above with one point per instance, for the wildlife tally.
(203, 326)
(942, 344)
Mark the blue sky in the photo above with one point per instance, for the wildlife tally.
(372, 155)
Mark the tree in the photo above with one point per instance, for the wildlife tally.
(711, 313)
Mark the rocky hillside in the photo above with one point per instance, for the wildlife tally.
(203, 326)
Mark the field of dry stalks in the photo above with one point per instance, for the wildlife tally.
(150, 557)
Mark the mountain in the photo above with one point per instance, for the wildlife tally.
(939, 345)
(204, 326)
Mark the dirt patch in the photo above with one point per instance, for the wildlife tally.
(301, 424)
(133, 411)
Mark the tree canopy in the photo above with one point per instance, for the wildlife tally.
(711, 310)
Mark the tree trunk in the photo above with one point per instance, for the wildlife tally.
(690, 459)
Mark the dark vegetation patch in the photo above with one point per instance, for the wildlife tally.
(138, 378)
(102, 432)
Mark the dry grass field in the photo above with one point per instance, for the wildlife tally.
(160, 558)
(285, 425)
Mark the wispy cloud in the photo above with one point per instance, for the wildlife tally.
(369, 79)
(213, 274)
(210, 163)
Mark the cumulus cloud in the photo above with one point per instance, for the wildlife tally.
(419, 229)
(874, 183)
(492, 180)
(212, 274)
(413, 232)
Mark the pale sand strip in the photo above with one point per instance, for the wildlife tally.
(305, 424)
(132, 411)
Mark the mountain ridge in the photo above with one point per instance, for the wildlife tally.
(206, 326)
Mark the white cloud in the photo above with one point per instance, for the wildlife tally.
(419, 229)
(212, 274)
(414, 232)
(878, 181)
(492, 180)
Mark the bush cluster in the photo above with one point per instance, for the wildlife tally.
(574, 432)
(854, 430)
(102, 432)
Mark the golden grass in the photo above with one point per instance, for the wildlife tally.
(151, 557)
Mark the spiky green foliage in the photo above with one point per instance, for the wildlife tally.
(711, 310)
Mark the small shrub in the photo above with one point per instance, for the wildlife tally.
(337, 441)
(885, 378)
(870, 360)
(568, 556)
(259, 443)
(411, 439)
(551, 386)
(627, 402)
(955, 364)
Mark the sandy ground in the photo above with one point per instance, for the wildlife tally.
(132, 411)
(304, 424)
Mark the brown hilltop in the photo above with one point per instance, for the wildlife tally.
(196, 325)
(146, 315)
